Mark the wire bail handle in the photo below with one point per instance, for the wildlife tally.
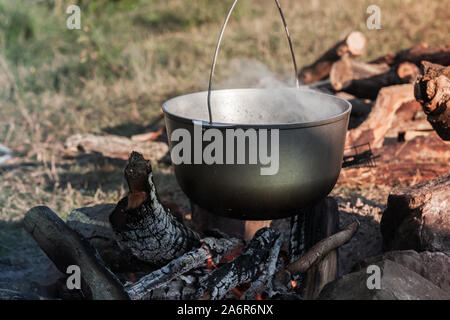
(213, 67)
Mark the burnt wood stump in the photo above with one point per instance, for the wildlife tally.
(317, 223)
(320, 222)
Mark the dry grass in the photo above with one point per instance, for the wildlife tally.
(113, 75)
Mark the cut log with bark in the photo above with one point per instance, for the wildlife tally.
(417, 54)
(65, 247)
(365, 80)
(418, 217)
(377, 124)
(114, 146)
(409, 122)
(346, 70)
(143, 225)
(432, 90)
(354, 44)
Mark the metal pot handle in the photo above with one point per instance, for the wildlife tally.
(213, 67)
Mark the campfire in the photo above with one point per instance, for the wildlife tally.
(188, 264)
(399, 120)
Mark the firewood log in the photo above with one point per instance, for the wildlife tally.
(365, 80)
(66, 247)
(212, 252)
(418, 217)
(360, 107)
(248, 266)
(417, 54)
(354, 44)
(114, 146)
(143, 225)
(432, 90)
(378, 123)
(346, 70)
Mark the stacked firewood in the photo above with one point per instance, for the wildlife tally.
(421, 66)
(401, 109)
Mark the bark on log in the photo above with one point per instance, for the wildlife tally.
(409, 121)
(432, 90)
(346, 70)
(365, 80)
(309, 228)
(418, 217)
(246, 267)
(417, 54)
(264, 281)
(212, 251)
(377, 124)
(114, 146)
(143, 225)
(65, 247)
(354, 44)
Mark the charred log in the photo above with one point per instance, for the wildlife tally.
(246, 267)
(312, 225)
(143, 225)
(264, 281)
(212, 251)
(312, 257)
(65, 247)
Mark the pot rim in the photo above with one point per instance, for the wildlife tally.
(281, 126)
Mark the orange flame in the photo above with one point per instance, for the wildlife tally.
(232, 255)
(211, 265)
(293, 284)
(209, 262)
